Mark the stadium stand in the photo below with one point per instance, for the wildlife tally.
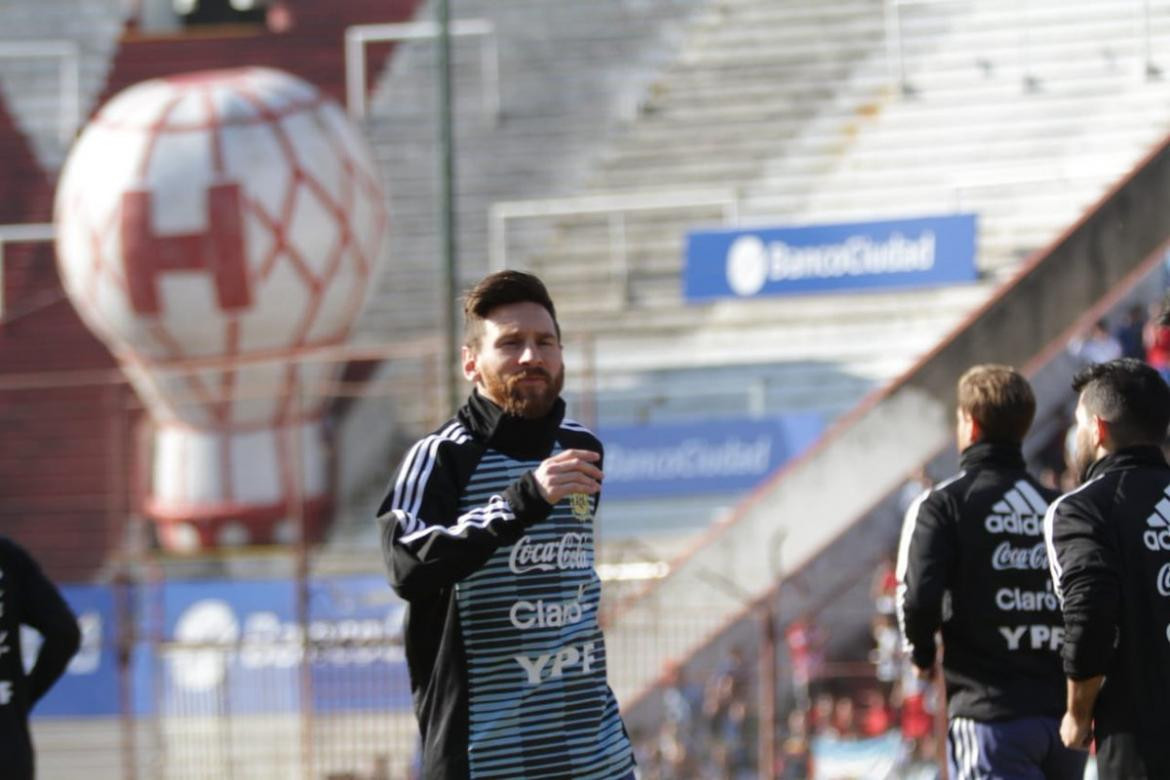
(796, 115)
(791, 110)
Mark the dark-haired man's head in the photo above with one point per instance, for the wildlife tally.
(512, 343)
(1122, 403)
(995, 405)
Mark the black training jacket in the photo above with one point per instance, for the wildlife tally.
(27, 597)
(972, 562)
(1109, 542)
(506, 657)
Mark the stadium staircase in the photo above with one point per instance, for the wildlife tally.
(31, 85)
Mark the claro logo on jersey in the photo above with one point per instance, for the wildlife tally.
(548, 614)
(571, 551)
(1020, 600)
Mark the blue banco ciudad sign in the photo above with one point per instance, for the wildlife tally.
(753, 262)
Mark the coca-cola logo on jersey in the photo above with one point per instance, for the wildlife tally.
(1007, 557)
(571, 551)
(1164, 580)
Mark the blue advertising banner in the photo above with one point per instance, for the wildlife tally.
(89, 686)
(720, 456)
(747, 263)
(237, 645)
(242, 646)
(362, 666)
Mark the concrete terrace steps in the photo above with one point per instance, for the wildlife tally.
(970, 112)
(766, 342)
(764, 345)
(565, 70)
(30, 86)
(739, 14)
(899, 307)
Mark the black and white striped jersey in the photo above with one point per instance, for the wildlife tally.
(506, 656)
(972, 563)
(1109, 544)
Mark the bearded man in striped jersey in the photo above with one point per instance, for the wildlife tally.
(487, 532)
(973, 564)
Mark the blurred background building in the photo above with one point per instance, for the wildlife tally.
(776, 232)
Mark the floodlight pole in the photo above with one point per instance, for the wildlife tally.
(447, 215)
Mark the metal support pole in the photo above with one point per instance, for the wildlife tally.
(301, 520)
(447, 221)
(767, 722)
(619, 260)
(895, 59)
(1149, 69)
(490, 65)
(1031, 80)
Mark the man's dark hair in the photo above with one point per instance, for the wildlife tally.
(502, 289)
(1000, 400)
(1130, 396)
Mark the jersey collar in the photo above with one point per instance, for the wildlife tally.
(989, 454)
(514, 436)
(1129, 458)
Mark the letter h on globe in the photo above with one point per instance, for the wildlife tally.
(219, 250)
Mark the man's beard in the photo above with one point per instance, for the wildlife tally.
(1084, 454)
(531, 402)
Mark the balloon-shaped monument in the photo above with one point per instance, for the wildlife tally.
(216, 230)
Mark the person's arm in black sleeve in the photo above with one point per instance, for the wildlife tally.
(427, 543)
(43, 608)
(926, 553)
(1085, 575)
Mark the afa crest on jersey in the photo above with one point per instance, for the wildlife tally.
(579, 503)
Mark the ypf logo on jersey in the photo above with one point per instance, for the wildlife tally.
(579, 504)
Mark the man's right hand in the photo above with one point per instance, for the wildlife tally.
(569, 471)
(1076, 733)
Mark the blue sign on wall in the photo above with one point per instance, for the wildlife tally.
(237, 645)
(723, 456)
(747, 263)
(89, 686)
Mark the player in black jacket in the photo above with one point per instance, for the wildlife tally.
(28, 598)
(972, 563)
(487, 531)
(1109, 545)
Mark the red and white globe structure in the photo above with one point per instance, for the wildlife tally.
(218, 230)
